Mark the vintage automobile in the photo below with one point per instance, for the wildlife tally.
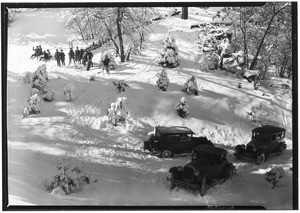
(267, 141)
(167, 141)
(209, 166)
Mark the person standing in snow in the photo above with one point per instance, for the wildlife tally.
(89, 57)
(106, 61)
(81, 55)
(62, 58)
(84, 58)
(49, 54)
(71, 56)
(77, 55)
(57, 57)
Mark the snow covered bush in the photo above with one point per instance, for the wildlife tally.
(117, 111)
(191, 86)
(169, 56)
(274, 176)
(163, 80)
(208, 61)
(32, 105)
(182, 108)
(259, 115)
(47, 95)
(69, 91)
(69, 177)
(120, 86)
(40, 77)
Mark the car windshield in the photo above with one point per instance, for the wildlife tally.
(258, 135)
(205, 158)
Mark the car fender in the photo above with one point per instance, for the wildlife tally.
(173, 169)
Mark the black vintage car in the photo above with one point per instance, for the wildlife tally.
(209, 166)
(167, 141)
(266, 141)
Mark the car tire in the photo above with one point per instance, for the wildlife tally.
(203, 186)
(172, 183)
(260, 158)
(280, 149)
(167, 154)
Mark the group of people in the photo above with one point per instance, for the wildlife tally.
(77, 57)
(39, 53)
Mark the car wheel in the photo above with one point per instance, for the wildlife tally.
(166, 154)
(280, 149)
(203, 186)
(260, 158)
(172, 183)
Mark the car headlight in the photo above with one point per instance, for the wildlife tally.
(179, 168)
(197, 173)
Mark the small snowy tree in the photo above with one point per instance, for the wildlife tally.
(191, 86)
(32, 105)
(258, 115)
(69, 177)
(182, 108)
(208, 61)
(169, 56)
(117, 111)
(40, 77)
(69, 91)
(163, 80)
(47, 95)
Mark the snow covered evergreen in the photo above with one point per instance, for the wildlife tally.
(163, 80)
(191, 86)
(169, 55)
(118, 111)
(182, 108)
(31, 106)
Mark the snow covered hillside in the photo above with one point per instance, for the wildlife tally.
(114, 155)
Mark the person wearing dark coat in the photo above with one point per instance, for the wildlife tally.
(57, 57)
(84, 58)
(71, 56)
(106, 61)
(81, 55)
(36, 52)
(77, 55)
(89, 57)
(62, 57)
(40, 50)
(45, 56)
(49, 54)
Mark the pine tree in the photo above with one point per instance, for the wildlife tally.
(163, 80)
(182, 108)
(169, 56)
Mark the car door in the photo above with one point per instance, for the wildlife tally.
(186, 143)
(172, 142)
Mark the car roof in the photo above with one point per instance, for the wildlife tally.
(268, 129)
(174, 130)
(210, 149)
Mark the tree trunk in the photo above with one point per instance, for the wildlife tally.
(253, 64)
(119, 20)
(141, 40)
(111, 37)
(185, 13)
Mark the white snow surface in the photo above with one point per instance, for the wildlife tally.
(113, 155)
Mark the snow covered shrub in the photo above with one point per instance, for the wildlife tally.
(69, 91)
(275, 175)
(169, 56)
(117, 111)
(40, 77)
(258, 115)
(163, 80)
(69, 177)
(28, 77)
(91, 78)
(120, 86)
(47, 95)
(182, 108)
(190, 86)
(32, 105)
(208, 61)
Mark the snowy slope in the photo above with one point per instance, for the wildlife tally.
(126, 175)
